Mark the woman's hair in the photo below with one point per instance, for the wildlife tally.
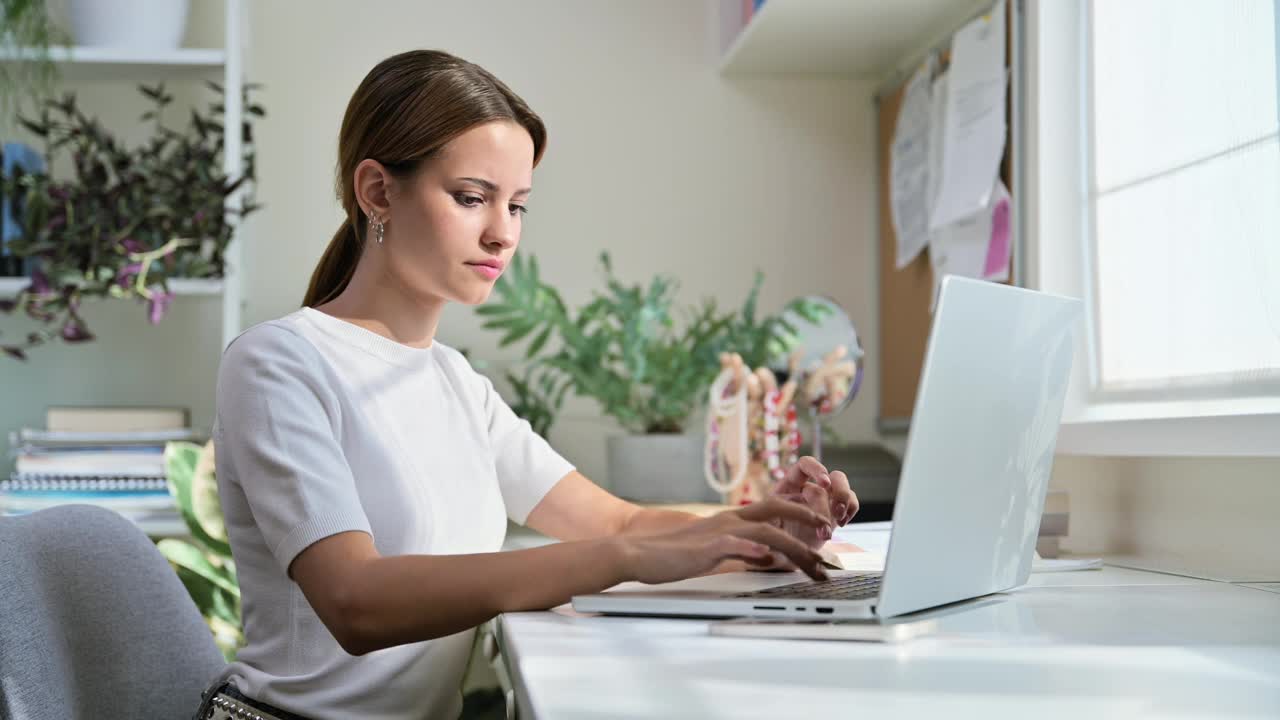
(405, 110)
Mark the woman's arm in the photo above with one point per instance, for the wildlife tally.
(369, 602)
(577, 509)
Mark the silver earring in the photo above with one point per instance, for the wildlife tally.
(378, 230)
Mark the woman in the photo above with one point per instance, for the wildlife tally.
(367, 472)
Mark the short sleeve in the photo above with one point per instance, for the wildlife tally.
(527, 465)
(276, 439)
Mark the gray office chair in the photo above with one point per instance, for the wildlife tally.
(94, 622)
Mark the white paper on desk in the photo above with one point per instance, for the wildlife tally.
(909, 167)
(866, 561)
(1047, 565)
(976, 246)
(871, 541)
(975, 129)
(872, 537)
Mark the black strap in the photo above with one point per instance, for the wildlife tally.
(230, 691)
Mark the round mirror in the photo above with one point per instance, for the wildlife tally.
(827, 358)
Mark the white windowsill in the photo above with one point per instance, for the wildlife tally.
(1238, 427)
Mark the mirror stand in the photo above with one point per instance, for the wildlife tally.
(815, 423)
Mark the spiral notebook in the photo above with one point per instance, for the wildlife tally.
(52, 482)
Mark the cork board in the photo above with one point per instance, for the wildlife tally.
(904, 295)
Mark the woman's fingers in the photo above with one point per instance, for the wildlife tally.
(741, 548)
(732, 547)
(797, 552)
(844, 502)
(805, 469)
(777, 509)
(817, 500)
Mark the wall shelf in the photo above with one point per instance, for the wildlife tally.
(846, 37)
(209, 57)
(126, 64)
(10, 286)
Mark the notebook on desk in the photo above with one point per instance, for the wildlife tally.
(977, 464)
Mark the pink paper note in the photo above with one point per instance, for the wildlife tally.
(997, 265)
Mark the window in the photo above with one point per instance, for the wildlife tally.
(1182, 181)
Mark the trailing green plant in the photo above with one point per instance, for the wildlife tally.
(129, 220)
(204, 565)
(26, 28)
(644, 361)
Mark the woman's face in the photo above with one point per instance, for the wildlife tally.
(455, 224)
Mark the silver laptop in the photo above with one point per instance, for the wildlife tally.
(973, 483)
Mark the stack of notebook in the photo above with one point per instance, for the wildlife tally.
(107, 456)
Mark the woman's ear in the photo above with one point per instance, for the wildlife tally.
(373, 188)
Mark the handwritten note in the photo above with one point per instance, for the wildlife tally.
(975, 128)
(909, 167)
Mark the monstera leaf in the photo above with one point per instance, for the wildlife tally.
(184, 555)
(194, 489)
(205, 567)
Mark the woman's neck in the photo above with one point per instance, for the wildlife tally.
(379, 303)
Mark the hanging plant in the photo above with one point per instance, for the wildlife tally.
(129, 220)
(27, 28)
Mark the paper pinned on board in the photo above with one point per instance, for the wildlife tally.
(909, 167)
(937, 125)
(975, 128)
(997, 264)
(976, 246)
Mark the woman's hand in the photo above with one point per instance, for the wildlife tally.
(809, 484)
(752, 534)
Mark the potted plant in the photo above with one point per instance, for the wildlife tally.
(129, 220)
(647, 364)
(204, 564)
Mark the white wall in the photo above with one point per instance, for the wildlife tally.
(652, 156)
(1213, 517)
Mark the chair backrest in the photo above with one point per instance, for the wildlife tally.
(94, 622)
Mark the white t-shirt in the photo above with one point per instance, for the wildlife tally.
(324, 427)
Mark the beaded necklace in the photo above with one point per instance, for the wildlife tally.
(725, 408)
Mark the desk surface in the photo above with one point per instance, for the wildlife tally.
(1096, 644)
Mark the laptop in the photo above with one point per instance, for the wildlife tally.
(974, 477)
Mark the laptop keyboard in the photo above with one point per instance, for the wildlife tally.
(847, 587)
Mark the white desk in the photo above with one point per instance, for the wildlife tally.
(1098, 644)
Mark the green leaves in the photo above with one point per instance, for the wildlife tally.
(524, 305)
(213, 588)
(626, 348)
(539, 395)
(205, 567)
(189, 468)
(27, 24)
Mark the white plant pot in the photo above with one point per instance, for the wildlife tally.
(133, 24)
(658, 468)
